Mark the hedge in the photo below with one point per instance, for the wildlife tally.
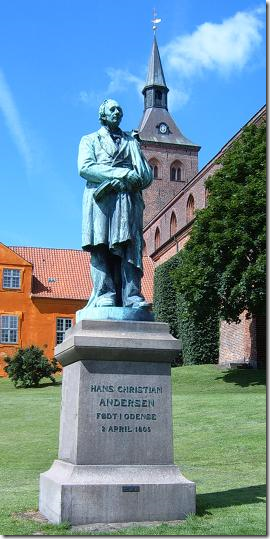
(199, 337)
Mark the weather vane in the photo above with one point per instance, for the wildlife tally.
(155, 21)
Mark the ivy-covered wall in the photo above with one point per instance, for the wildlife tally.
(199, 336)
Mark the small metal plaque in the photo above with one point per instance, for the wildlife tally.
(131, 488)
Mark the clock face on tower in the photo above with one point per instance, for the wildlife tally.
(163, 128)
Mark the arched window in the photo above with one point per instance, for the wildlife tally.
(176, 171)
(155, 166)
(173, 224)
(157, 239)
(190, 208)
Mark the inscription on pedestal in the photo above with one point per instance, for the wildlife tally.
(122, 416)
(113, 400)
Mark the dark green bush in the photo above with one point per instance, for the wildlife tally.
(28, 366)
(165, 308)
(199, 334)
(165, 304)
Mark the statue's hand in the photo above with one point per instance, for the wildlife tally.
(134, 180)
(117, 185)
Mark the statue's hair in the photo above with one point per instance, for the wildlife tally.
(101, 111)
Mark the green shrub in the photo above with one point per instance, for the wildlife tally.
(28, 366)
(199, 334)
(165, 304)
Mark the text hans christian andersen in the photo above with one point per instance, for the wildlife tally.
(111, 408)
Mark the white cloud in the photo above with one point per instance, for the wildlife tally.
(177, 98)
(13, 121)
(120, 81)
(90, 98)
(224, 48)
(221, 47)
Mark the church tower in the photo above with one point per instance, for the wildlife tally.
(173, 158)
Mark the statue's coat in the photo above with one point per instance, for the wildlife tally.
(117, 218)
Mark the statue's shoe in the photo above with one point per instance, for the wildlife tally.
(141, 304)
(106, 302)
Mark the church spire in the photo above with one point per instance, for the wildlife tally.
(155, 90)
(155, 76)
(157, 125)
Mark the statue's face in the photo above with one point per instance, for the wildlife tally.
(113, 113)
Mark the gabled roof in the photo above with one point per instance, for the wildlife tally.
(65, 273)
(11, 258)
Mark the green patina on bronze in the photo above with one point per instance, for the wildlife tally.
(116, 172)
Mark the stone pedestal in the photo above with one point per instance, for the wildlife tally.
(115, 447)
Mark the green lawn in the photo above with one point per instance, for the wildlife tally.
(219, 437)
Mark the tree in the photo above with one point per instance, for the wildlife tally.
(224, 262)
(28, 366)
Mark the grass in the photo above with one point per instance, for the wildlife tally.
(219, 439)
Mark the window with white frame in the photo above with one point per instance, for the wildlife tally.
(11, 278)
(8, 329)
(62, 325)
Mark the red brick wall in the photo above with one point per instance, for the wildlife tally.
(160, 199)
(179, 207)
(163, 189)
(238, 342)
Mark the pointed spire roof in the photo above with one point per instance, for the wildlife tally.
(155, 76)
(156, 112)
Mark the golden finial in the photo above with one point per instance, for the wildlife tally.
(155, 21)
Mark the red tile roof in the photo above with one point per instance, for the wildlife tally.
(65, 273)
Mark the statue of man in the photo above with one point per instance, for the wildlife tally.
(116, 171)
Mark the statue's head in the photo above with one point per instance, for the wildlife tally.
(110, 113)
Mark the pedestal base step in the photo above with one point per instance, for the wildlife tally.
(82, 494)
(116, 526)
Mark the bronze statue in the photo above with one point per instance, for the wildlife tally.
(116, 171)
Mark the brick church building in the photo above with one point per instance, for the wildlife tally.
(177, 191)
(173, 158)
(41, 289)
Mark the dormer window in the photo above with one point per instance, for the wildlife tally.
(11, 278)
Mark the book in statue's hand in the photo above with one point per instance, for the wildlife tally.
(104, 188)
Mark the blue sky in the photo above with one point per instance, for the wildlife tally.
(59, 60)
